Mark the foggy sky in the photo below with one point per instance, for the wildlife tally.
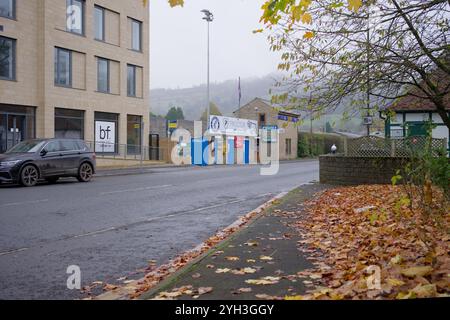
(178, 43)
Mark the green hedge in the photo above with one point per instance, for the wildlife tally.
(318, 144)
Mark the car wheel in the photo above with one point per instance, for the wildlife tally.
(52, 180)
(85, 172)
(29, 176)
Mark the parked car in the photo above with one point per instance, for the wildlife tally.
(47, 159)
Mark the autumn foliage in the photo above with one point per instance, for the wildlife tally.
(351, 232)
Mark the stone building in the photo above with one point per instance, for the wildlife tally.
(274, 118)
(75, 69)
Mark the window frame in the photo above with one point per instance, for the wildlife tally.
(81, 117)
(108, 75)
(139, 23)
(134, 67)
(103, 10)
(83, 17)
(288, 146)
(14, 12)
(57, 49)
(14, 59)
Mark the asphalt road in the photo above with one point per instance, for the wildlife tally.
(114, 225)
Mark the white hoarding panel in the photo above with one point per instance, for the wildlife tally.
(219, 125)
(105, 136)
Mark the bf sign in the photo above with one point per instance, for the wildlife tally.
(105, 136)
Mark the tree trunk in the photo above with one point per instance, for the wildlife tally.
(441, 110)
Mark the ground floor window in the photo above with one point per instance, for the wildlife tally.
(69, 124)
(17, 123)
(106, 132)
(288, 147)
(134, 134)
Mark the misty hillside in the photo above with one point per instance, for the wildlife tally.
(223, 94)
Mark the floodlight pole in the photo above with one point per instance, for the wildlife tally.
(209, 18)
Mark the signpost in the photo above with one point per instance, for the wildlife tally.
(270, 133)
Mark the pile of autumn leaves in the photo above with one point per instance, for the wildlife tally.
(368, 242)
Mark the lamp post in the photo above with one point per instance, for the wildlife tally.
(209, 17)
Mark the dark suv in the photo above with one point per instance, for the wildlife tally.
(34, 160)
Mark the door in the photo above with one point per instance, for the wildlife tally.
(50, 164)
(12, 130)
(70, 156)
(154, 147)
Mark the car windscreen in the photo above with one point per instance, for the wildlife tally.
(31, 146)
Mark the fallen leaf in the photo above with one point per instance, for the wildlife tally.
(224, 270)
(165, 294)
(232, 258)
(265, 258)
(418, 271)
(243, 290)
(204, 290)
(249, 270)
(395, 282)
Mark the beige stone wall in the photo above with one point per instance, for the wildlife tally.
(289, 131)
(25, 90)
(40, 27)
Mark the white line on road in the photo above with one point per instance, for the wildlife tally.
(23, 203)
(12, 251)
(137, 189)
(149, 220)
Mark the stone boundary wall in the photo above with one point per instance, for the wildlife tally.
(341, 170)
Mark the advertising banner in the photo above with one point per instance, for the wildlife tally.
(219, 125)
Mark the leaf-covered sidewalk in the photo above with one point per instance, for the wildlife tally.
(345, 243)
(259, 262)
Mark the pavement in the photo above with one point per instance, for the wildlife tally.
(269, 236)
(114, 225)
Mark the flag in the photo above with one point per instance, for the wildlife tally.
(240, 92)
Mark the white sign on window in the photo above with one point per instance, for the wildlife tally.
(105, 136)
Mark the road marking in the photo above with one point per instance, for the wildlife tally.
(136, 189)
(91, 233)
(23, 203)
(12, 251)
(175, 214)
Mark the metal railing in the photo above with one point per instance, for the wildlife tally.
(387, 147)
(128, 152)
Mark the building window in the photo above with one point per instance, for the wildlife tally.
(7, 58)
(106, 132)
(131, 80)
(136, 35)
(288, 147)
(8, 9)
(99, 17)
(63, 67)
(262, 119)
(69, 124)
(134, 124)
(103, 73)
(75, 16)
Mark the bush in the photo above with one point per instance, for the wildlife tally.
(318, 144)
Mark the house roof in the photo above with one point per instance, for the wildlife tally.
(261, 103)
(412, 102)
